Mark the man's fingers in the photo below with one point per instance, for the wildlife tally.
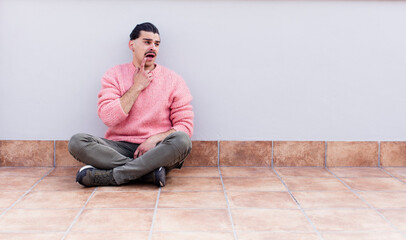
(149, 74)
(139, 152)
(143, 64)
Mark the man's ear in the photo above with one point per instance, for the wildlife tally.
(130, 45)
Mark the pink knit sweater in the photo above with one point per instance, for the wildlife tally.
(163, 105)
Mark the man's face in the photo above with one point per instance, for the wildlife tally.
(145, 46)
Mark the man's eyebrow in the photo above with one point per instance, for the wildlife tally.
(150, 39)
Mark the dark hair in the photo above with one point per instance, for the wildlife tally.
(147, 27)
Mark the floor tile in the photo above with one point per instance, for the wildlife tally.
(107, 235)
(37, 219)
(60, 184)
(303, 172)
(270, 220)
(246, 153)
(195, 172)
(276, 236)
(348, 220)
(192, 200)
(385, 199)
(192, 220)
(64, 172)
(375, 184)
(123, 200)
(253, 184)
(261, 200)
(359, 172)
(94, 220)
(31, 236)
(363, 236)
(354, 154)
(17, 183)
(8, 198)
(327, 199)
(259, 209)
(397, 172)
(36, 172)
(204, 153)
(396, 216)
(247, 172)
(298, 153)
(54, 199)
(314, 184)
(193, 184)
(192, 235)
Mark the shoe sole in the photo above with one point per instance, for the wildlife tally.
(85, 167)
(161, 169)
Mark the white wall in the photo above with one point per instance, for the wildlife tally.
(258, 70)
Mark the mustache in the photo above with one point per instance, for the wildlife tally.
(150, 52)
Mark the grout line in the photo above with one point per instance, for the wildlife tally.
(228, 205)
(369, 205)
(79, 213)
(300, 207)
(169, 231)
(154, 216)
(26, 192)
(201, 208)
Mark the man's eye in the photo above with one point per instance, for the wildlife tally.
(156, 44)
(148, 42)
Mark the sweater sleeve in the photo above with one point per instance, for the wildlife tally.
(181, 111)
(109, 106)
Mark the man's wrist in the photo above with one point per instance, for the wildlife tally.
(161, 136)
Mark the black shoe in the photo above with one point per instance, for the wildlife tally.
(160, 177)
(90, 176)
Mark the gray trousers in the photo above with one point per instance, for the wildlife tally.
(107, 154)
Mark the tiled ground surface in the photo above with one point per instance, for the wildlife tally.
(208, 203)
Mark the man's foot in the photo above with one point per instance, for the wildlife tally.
(90, 176)
(160, 177)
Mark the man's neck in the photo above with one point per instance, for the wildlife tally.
(149, 68)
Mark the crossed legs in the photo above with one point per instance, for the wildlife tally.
(118, 156)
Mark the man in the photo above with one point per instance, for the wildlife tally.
(147, 109)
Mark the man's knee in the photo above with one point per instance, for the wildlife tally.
(76, 143)
(182, 141)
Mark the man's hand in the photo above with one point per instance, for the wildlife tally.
(145, 147)
(151, 143)
(142, 78)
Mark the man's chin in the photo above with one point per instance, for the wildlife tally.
(150, 64)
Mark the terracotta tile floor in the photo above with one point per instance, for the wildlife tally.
(302, 203)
